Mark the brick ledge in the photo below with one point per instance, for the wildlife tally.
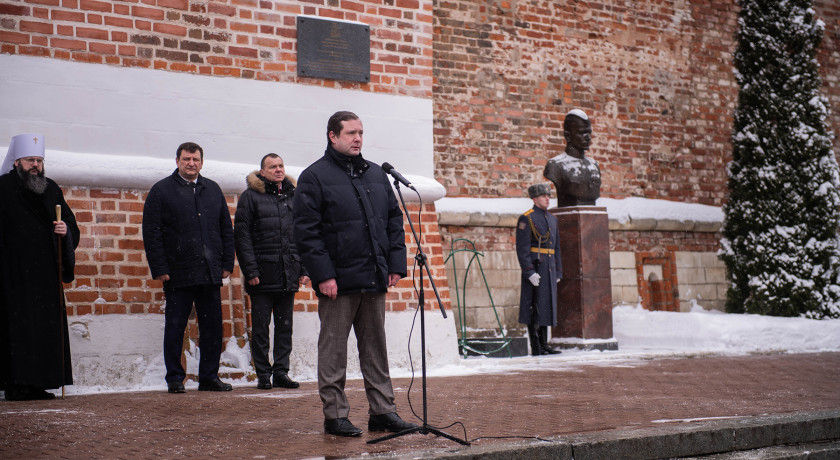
(504, 219)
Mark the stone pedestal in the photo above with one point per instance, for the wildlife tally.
(584, 296)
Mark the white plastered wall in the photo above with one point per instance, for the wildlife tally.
(118, 121)
(116, 127)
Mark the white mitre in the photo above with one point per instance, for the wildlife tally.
(22, 146)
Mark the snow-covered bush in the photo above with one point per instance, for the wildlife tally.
(780, 236)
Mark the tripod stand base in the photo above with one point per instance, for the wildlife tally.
(424, 429)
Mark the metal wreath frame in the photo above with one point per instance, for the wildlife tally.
(461, 300)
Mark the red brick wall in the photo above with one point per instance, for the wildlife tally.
(829, 59)
(253, 39)
(112, 276)
(654, 76)
(489, 239)
(494, 239)
(667, 241)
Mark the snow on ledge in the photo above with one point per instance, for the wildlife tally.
(626, 212)
(141, 172)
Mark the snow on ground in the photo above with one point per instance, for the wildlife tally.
(641, 335)
(644, 335)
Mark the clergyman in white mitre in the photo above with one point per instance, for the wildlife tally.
(23, 146)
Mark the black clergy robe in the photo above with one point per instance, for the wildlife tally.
(34, 346)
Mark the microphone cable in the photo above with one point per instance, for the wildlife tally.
(416, 312)
(411, 335)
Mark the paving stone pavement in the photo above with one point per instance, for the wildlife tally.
(486, 409)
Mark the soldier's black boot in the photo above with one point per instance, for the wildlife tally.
(543, 340)
(536, 350)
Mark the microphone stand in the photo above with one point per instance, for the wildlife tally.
(420, 257)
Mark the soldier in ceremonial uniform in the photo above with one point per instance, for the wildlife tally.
(537, 248)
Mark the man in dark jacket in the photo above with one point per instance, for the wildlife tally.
(349, 231)
(34, 344)
(188, 238)
(537, 246)
(270, 263)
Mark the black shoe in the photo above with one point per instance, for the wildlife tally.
(283, 381)
(546, 350)
(542, 337)
(176, 387)
(341, 427)
(263, 383)
(16, 394)
(40, 394)
(389, 422)
(534, 341)
(27, 393)
(214, 385)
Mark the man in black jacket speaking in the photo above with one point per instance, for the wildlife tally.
(270, 264)
(349, 232)
(188, 239)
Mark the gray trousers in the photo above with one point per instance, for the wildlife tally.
(365, 313)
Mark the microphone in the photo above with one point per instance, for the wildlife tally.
(393, 172)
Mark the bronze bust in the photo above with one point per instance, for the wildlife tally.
(576, 176)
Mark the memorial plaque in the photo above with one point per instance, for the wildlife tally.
(336, 50)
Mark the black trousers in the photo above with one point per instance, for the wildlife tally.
(280, 305)
(208, 310)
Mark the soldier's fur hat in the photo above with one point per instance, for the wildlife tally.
(538, 189)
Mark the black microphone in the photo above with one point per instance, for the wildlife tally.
(393, 172)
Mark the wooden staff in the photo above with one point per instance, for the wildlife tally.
(61, 304)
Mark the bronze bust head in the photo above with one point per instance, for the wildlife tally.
(576, 176)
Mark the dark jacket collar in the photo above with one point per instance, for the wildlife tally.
(354, 166)
(198, 181)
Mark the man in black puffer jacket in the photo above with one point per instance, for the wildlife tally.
(188, 239)
(270, 264)
(349, 231)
